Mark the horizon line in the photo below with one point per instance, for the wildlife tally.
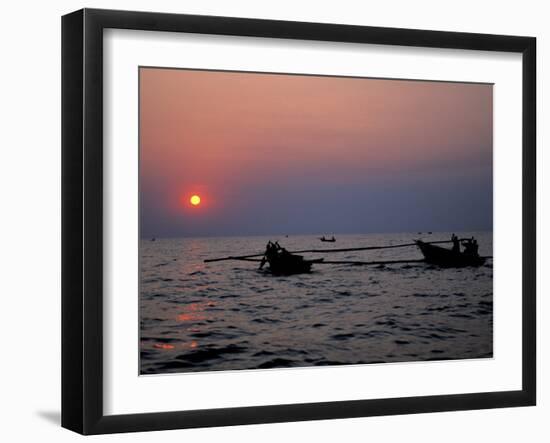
(148, 237)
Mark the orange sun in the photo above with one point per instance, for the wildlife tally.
(195, 200)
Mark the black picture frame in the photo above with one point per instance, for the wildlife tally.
(82, 219)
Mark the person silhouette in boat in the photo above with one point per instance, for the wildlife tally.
(456, 244)
(274, 250)
(475, 247)
(270, 252)
(282, 252)
(471, 247)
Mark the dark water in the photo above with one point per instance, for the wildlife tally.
(227, 315)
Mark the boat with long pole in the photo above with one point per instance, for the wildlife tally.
(284, 262)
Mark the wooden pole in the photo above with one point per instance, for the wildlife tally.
(233, 257)
(350, 262)
(364, 263)
(388, 262)
(365, 248)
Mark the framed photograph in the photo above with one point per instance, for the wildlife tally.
(269, 221)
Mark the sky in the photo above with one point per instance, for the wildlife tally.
(294, 154)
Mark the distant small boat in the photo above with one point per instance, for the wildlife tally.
(153, 239)
(447, 258)
(323, 238)
(282, 262)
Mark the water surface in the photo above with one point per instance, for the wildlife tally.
(228, 315)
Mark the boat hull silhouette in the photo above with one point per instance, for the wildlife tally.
(292, 264)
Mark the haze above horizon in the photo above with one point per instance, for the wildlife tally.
(284, 154)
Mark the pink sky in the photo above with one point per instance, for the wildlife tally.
(238, 138)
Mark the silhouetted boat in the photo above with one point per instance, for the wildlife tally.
(282, 262)
(323, 238)
(293, 264)
(447, 258)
